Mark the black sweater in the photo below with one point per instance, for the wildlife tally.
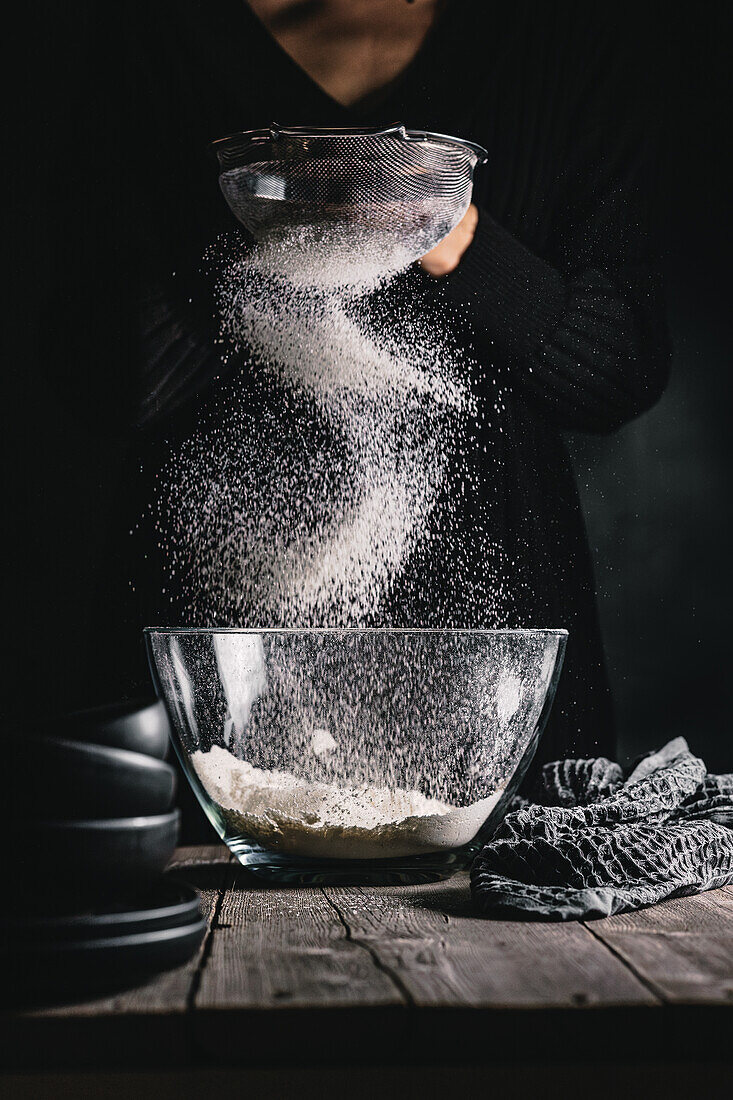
(558, 298)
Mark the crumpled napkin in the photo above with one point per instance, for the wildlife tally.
(597, 841)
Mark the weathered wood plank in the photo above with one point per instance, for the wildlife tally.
(709, 912)
(286, 948)
(683, 968)
(199, 855)
(335, 974)
(443, 954)
(683, 948)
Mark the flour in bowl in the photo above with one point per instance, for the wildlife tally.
(289, 814)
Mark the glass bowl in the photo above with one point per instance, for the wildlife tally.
(350, 755)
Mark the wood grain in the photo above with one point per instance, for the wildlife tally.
(682, 948)
(709, 912)
(682, 968)
(442, 954)
(286, 947)
(333, 974)
(198, 856)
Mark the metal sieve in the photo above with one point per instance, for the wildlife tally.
(348, 205)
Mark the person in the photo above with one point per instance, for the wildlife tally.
(554, 273)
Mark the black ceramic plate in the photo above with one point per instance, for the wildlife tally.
(165, 904)
(55, 971)
(76, 781)
(95, 852)
(136, 725)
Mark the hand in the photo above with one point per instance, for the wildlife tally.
(447, 255)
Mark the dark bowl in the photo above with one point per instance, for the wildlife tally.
(97, 854)
(137, 725)
(74, 781)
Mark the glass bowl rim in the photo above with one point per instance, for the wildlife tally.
(557, 632)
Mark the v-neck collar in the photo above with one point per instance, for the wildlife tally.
(375, 103)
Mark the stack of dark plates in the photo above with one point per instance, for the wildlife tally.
(93, 829)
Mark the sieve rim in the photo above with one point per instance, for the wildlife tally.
(228, 147)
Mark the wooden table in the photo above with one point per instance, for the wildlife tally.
(295, 987)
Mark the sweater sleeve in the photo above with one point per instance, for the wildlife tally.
(580, 330)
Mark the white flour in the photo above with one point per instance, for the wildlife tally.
(288, 814)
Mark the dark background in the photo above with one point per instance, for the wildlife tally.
(655, 494)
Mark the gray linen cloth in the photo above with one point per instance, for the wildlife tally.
(596, 841)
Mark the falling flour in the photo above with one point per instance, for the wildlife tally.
(289, 814)
(313, 487)
(320, 475)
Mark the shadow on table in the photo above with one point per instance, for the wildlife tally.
(450, 896)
